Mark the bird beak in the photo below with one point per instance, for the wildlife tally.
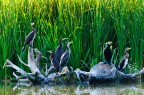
(49, 51)
(109, 42)
(70, 42)
(32, 24)
(64, 39)
(128, 48)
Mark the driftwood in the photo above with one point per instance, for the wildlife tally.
(33, 63)
(36, 76)
(99, 72)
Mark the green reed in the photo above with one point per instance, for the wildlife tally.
(88, 23)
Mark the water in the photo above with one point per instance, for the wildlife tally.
(116, 89)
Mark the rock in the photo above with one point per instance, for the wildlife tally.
(105, 73)
(102, 71)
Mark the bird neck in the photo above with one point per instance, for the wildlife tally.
(126, 54)
(34, 30)
(60, 42)
(68, 48)
(52, 56)
(107, 46)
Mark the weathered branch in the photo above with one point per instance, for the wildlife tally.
(79, 72)
(122, 75)
(10, 64)
(49, 70)
(22, 83)
(16, 76)
(32, 62)
(22, 61)
(38, 56)
(141, 71)
(46, 71)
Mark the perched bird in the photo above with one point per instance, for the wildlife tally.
(59, 51)
(65, 56)
(54, 62)
(29, 37)
(123, 63)
(108, 52)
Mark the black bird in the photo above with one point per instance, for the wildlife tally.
(54, 62)
(108, 52)
(123, 63)
(29, 37)
(65, 56)
(59, 51)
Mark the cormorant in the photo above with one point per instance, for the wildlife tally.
(54, 62)
(108, 52)
(65, 56)
(29, 37)
(123, 63)
(59, 51)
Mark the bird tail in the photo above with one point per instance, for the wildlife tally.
(119, 69)
(104, 62)
(23, 48)
(60, 68)
(109, 63)
(31, 46)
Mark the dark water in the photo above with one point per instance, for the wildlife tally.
(116, 89)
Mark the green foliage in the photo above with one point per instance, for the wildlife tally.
(88, 23)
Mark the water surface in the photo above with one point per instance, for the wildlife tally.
(103, 89)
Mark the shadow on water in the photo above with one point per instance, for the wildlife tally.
(83, 89)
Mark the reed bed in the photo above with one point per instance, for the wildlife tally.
(88, 23)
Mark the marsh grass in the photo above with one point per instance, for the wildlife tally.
(88, 23)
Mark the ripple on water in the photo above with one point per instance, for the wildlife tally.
(101, 89)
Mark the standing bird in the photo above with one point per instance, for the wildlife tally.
(108, 52)
(123, 63)
(29, 37)
(59, 51)
(54, 62)
(65, 56)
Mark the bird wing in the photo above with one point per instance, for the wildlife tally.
(57, 49)
(107, 54)
(29, 37)
(121, 64)
(55, 63)
(58, 53)
(64, 58)
(125, 64)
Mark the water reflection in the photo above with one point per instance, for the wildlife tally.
(74, 90)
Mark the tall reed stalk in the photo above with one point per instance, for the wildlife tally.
(88, 23)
